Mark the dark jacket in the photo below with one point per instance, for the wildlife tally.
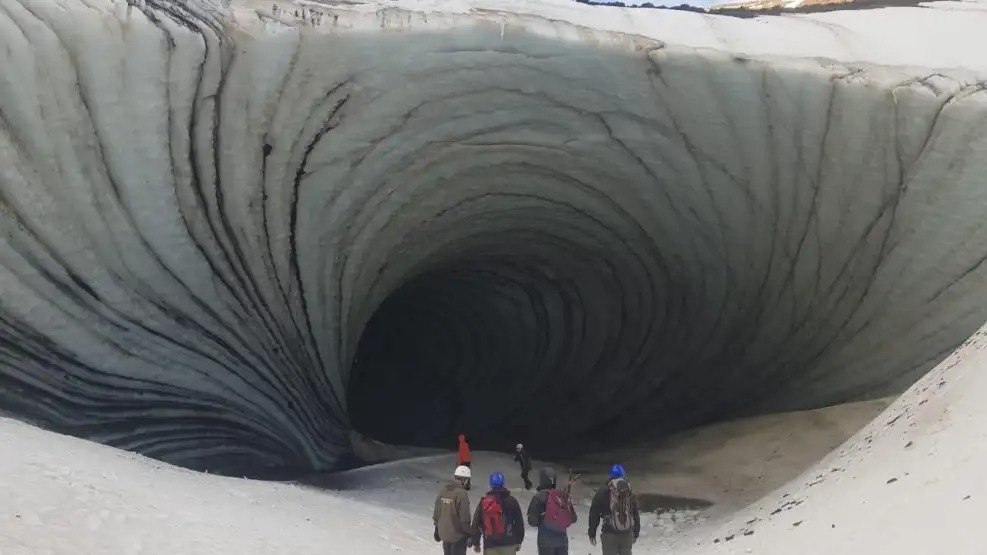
(513, 521)
(451, 514)
(547, 539)
(601, 509)
(524, 460)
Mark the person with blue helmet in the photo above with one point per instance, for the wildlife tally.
(498, 520)
(616, 505)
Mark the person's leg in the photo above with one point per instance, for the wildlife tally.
(459, 548)
(502, 550)
(610, 544)
(626, 544)
(447, 548)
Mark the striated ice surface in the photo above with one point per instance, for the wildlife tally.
(230, 234)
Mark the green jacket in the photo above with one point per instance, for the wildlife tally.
(451, 515)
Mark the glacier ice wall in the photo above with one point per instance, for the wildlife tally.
(205, 208)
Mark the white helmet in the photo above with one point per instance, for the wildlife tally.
(519, 446)
(463, 472)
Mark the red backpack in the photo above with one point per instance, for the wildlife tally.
(558, 511)
(493, 516)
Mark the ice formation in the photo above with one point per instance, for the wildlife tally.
(230, 233)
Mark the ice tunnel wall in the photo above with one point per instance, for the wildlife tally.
(225, 244)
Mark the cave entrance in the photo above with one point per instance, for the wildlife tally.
(403, 383)
(461, 349)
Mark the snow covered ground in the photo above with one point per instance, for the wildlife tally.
(64, 495)
(734, 463)
(67, 495)
(910, 482)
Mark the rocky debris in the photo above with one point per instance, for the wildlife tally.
(787, 506)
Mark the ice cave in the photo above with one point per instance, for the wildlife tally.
(232, 235)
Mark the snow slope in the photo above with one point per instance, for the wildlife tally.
(732, 464)
(64, 495)
(912, 481)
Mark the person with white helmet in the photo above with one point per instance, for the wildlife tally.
(451, 514)
(522, 458)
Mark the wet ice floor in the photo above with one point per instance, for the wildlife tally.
(658, 503)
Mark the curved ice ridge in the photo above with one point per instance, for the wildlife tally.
(204, 206)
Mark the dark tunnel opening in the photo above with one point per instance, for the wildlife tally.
(503, 335)
(544, 324)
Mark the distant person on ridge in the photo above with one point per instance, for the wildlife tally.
(522, 458)
(465, 456)
(451, 514)
(616, 505)
(498, 520)
(551, 510)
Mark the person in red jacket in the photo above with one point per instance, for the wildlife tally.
(465, 457)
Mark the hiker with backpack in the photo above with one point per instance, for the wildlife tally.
(616, 505)
(498, 520)
(451, 514)
(522, 458)
(551, 510)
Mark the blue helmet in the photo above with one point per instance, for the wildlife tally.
(616, 471)
(496, 480)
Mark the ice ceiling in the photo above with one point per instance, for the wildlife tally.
(225, 249)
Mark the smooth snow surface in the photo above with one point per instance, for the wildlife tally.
(67, 496)
(911, 482)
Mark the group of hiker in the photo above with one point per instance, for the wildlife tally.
(497, 525)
